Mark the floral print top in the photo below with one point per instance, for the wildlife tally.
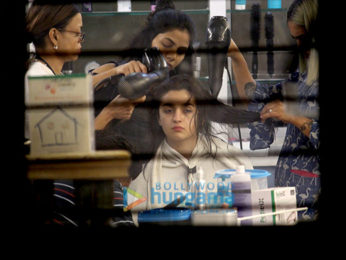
(298, 162)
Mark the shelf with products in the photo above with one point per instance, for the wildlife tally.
(115, 13)
(118, 28)
(192, 12)
(265, 10)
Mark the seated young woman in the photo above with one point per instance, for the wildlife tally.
(181, 139)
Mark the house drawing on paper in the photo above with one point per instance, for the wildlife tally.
(57, 128)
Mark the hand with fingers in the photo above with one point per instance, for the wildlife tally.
(119, 108)
(276, 110)
(108, 70)
(130, 67)
(122, 108)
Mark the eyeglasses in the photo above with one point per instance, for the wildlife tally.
(76, 34)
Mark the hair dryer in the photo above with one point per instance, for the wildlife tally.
(218, 41)
(153, 59)
(136, 85)
(107, 89)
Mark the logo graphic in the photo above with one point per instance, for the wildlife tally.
(51, 89)
(131, 193)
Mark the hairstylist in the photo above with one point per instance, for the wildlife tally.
(173, 32)
(169, 30)
(298, 163)
(56, 32)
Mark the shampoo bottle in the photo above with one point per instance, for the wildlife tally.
(241, 189)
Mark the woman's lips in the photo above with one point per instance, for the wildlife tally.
(178, 128)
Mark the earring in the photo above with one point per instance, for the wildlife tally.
(55, 47)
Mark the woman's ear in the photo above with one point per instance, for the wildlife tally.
(53, 36)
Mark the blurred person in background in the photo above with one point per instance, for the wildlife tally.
(298, 163)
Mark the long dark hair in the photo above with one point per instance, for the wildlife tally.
(200, 95)
(209, 109)
(163, 19)
(144, 133)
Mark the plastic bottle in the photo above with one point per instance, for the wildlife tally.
(241, 189)
(240, 4)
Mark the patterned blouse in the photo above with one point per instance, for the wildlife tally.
(298, 162)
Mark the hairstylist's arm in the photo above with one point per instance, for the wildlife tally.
(108, 70)
(241, 71)
(118, 108)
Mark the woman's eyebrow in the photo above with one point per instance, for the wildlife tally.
(188, 103)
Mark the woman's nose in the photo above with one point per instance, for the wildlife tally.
(171, 55)
(177, 116)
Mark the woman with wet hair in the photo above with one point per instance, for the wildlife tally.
(181, 139)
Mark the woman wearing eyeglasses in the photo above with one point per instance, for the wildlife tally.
(56, 32)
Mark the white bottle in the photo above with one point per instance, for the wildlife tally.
(241, 190)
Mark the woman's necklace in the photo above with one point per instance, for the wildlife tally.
(38, 58)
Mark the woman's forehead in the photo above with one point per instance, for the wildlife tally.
(177, 97)
(179, 37)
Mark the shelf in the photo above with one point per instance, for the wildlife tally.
(134, 13)
(261, 80)
(262, 10)
(100, 165)
(192, 12)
